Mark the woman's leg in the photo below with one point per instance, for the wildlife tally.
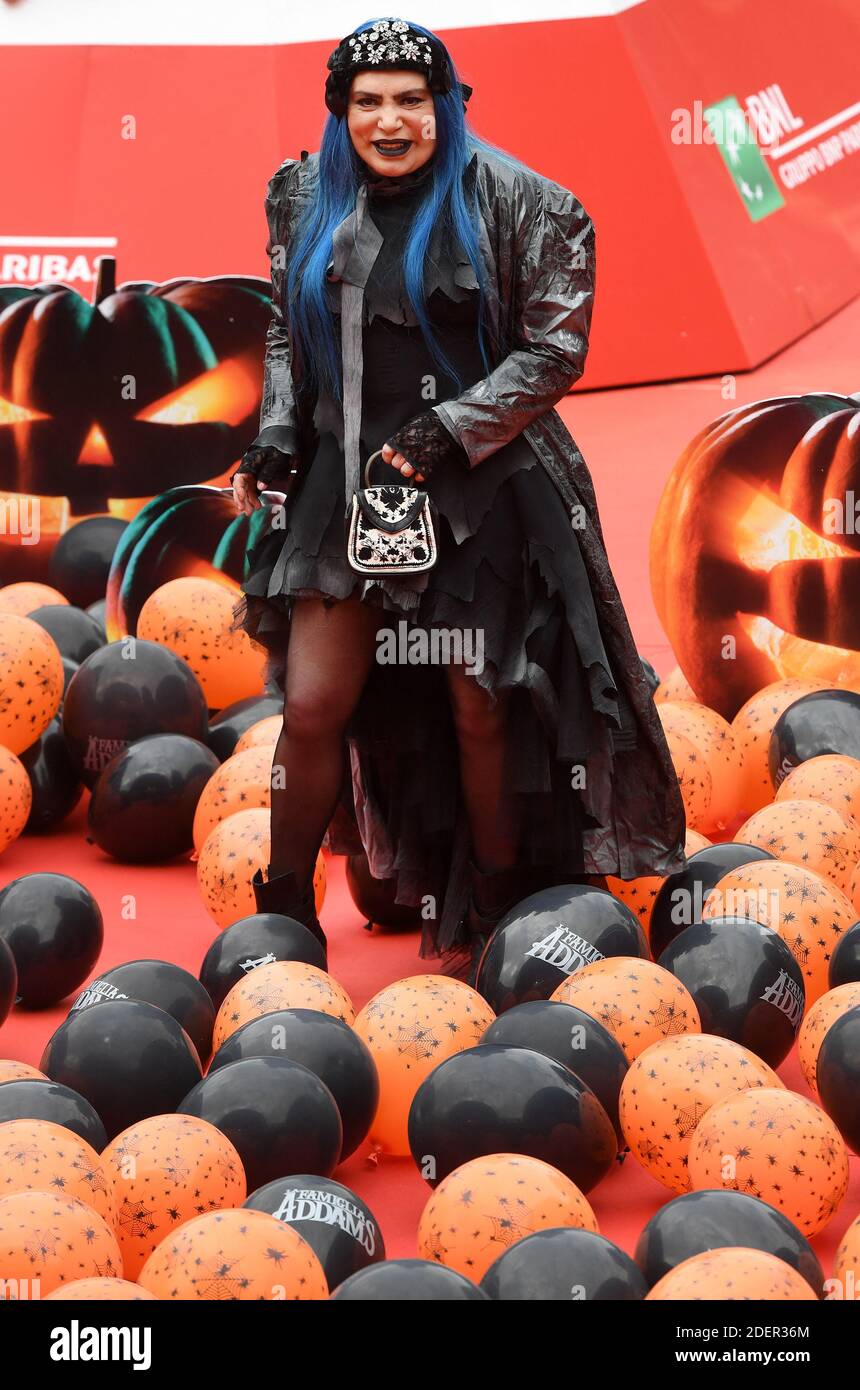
(330, 656)
(482, 739)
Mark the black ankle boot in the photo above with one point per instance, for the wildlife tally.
(492, 895)
(283, 895)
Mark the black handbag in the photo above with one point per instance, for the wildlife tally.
(392, 528)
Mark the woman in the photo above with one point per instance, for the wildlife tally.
(432, 298)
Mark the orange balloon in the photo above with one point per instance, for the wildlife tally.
(732, 1274)
(410, 1027)
(165, 1169)
(845, 1283)
(231, 855)
(102, 1291)
(820, 1018)
(241, 783)
(694, 778)
(670, 1087)
(234, 1255)
(39, 1156)
(807, 910)
(853, 889)
(808, 833)
(832, 778)
(31, 681)
(777, 1146)
(193, 616)
(16, 797)
(639, 894)
(637, 1001)
(265, 733)
(722, 752)
(283, 984)
(486, 1205)
(674, 687)
(48, 1240)
(22, 598)
(753, 725)
(20, 1071)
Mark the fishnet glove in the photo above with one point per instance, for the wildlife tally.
(265, 463)
(424, 442)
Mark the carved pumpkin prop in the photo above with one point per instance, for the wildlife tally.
(192, 616)
(283, 984)
(232, 853)
(755, 571)
(104, 405)
(807, 909)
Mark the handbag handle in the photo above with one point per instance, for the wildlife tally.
(367, 466)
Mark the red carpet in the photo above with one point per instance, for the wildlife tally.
(630, 439)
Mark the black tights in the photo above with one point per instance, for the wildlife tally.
(330, 657)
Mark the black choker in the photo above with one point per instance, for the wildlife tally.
(385, 186)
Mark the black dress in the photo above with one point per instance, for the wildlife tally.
(509, 573)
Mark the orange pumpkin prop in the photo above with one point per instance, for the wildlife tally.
(410, 1027)
(230, 857)
(283, 984)
(831, 778)
(264, 734)
(818, 1021)
(487, 1204)
(637, 1001)
(753, 725)
(744, 560)
(807, 833)
(721, 751)
(730, 1275)
(807, 910)
(16, 797)
(39, 1156)
(777, 1146)
(668, 1090)
(165, 1170)
(23, 598)
(31, 681)
(241, 783)
(192, 617)
(102, 1291)
(51, 1240)
(234, 1255)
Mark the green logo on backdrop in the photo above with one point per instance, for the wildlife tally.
(743, 158)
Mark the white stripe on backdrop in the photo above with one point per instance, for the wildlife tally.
(205, 22)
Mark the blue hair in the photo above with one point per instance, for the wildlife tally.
(310, 317)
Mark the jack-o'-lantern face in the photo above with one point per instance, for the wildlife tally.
(105, 405)
(755, 549)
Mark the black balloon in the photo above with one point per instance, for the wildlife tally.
(123, 692)
(549, 936)
(31, 1098)
(8, 980)
(340, 1229)
(143, 804)
(573, 1038)
(53, 927)
(408, 1281)
(374, 897)
(838, 1076)
(682, 896)
(494, 1099)
(844, 968)
(80, 561)
(163, 984)
(746, 983)
(257, 940)
(715, 1218)
(98, 610)
(231, 723)
(129, 1059)
(650, 675)
(70, 668)
(327, 1047)
(57, 787)
(280, 1117)
(828, 721)
(76, 634)
(564, 1264)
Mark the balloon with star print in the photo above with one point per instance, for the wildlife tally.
(39, 1156)
(234, 1255)
(166, 1170)
(775, 1145)
(47, 1240)
(637, 1001)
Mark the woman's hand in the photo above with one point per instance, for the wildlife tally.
(396, 460)
(262, 465)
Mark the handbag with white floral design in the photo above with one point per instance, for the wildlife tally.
(392, 528)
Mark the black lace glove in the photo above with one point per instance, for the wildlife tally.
(268, 458)
(424, 442)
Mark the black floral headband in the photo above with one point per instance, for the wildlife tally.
(388, 44)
